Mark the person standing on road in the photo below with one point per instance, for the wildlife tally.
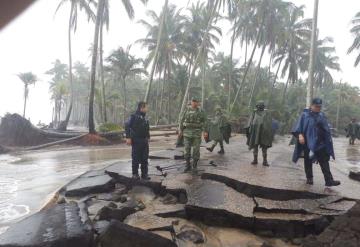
(137, 131)
(192, 124)
(219, 131)
(259, 132)
(352, 131)
(315, 142)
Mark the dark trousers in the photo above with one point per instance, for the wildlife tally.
(140, 155)
(323, 159)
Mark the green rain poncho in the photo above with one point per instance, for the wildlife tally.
(259, 129)
(217, 127)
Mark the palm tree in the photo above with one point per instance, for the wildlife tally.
(100, 11)
(195, 27)
(355, 31)
(123, 64)
(168, 49)
(294, 51)
(27, 78)
(76, 5)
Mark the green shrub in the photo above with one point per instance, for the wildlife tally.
(109, 127)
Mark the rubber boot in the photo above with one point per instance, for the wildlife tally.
(255, 161)
(222, 151)
(195, 164)
(210, 149)
(188, 165)
(310, 181)
(265, 162)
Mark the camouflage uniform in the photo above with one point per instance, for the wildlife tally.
(192, 124)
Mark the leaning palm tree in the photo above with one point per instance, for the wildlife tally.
(100, 10)
(28, 79)
(355, 31)
(76, 5)
(123, 64)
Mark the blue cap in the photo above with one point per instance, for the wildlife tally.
(316, 101)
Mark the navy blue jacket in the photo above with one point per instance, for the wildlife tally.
(315, 128)
(137, 126)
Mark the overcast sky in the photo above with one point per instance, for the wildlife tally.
(36, 38)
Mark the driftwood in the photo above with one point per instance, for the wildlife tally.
(55, 143)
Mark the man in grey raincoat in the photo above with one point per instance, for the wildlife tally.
(218, 129)
(259, 132)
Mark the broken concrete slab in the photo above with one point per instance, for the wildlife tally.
(175, 154)
(58, 226)
(354, 174)
(343, 231)
(120, 214)
(88, 185)
(120, 234)
(142, 193)
(216, 204)
(301, 206)
(148, 221)
(120, 175)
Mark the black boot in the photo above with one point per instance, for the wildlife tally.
(188, 165)
(145, 177)
(222, 151)
(264, 153)
(210, 149)
(255, 161)
(332, 183)
(310, 181)
(195, 164)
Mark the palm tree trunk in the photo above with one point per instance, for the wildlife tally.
(203, 82)
(125, 100)
(231, 65)
(273, 84)
(169, 88)
(310, 84)
(246, 50)
(211, 17)
(25, 98)
(285, 89)
(338, 109)
(256, 76)
(102, 74)
(156, 51)
(93, 67)
(162, 96)
(66, 122)
(249, 64)
(157, 98)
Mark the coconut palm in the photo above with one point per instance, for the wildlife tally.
(100, 11)
(123, 64)
(294, 49)
(28, 79)
(76, 6)
(355, 31)
(168, 50)
(195, 27)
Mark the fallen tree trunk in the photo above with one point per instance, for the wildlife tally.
(55, 143)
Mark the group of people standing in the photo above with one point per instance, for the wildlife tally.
(312, 135)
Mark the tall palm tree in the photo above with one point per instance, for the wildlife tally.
(355, 31)
(76, 5)
(28, 79)
(123, 64)
(167, 50)
(100, 10)
(195, 27)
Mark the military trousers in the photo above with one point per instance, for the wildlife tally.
(256, 151)
(221, 143)
(323, 159)
(352, 140)
(192, 142)
(140, 155)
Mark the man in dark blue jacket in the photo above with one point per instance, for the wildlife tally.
(138, 135)
(315, 142)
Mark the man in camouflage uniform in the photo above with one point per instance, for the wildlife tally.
(259, 132)
(352, 131)
(216, 130)
(192, 124)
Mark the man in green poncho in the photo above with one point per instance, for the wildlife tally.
(259, 132)
(218, 130)
(352, 131)
(192, 124)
